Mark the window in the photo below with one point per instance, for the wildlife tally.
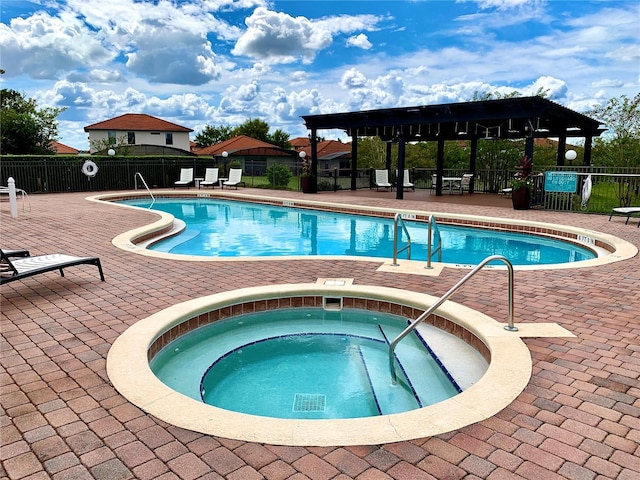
(112, 138)
(131, 138)
(169, 139)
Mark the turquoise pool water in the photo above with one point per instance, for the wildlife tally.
(305, 363)
(223, 228)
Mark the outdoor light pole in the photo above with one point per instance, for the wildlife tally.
(571, 156)
(225, 154)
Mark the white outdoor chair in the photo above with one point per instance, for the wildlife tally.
(210, 178)
(235, 178)
(186, 178)
(406, 184)
(465, 183)
(382, 180)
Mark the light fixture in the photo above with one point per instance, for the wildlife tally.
(111, 152)
(225, 154)
(570, 155)
(302, 154)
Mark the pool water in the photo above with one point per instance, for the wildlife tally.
(222, 228)
(305, 363)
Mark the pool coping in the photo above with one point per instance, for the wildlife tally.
(506, 377)
(135, 240)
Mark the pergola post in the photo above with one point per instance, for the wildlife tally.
(354, 160)
(400, 179)
(562, 146)
(439, 167)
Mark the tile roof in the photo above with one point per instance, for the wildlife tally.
(61, 148)
(329, 149)
(239, 144)
(137, 122)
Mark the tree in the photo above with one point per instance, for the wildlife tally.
(280, 138)
(620, 144)
(211, 135)
(254, 128)
(25, 128)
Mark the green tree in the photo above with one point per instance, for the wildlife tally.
(254, 128)
(280, 138)
(25, 128)
(620, 144)
(211, 135)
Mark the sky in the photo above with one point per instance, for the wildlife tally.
(222, 62)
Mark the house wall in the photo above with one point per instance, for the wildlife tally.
(180, 139)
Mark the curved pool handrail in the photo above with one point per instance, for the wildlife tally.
(510, 326)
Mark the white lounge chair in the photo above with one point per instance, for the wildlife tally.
(625, 211)
(210, 178)
(382, 180)
(27, 266)
(235, 178)
(406, 183)
(186, 178)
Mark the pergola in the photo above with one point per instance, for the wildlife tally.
(509, 118)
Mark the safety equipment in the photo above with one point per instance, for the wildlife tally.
(89, 168)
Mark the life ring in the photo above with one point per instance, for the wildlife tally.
(89, 168)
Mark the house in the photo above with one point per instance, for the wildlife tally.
(62, 149)
(331, 154)
(254, 156)
(141, 134)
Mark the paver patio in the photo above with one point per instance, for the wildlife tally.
(579, 417)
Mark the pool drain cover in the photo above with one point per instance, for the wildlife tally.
(309, 402)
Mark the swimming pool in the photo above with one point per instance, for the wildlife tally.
(228, 229)
(308, 363)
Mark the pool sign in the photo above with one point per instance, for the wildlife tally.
(560, 182)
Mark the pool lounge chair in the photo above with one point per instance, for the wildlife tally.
(406, 183)
(28, 266)
(625, 211)
(210, 178)
(382, 180)
(16, 252)
(235, 178)
(186, 178)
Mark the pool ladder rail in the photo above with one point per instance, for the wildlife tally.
(510, 326)
(135, 181)
(433, 233)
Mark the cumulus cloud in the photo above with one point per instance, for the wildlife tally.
(276, 37)
(42, 46)
(360, 41)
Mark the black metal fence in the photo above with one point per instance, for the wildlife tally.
(612, 187)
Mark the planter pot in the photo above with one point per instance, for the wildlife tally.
(521, 198)
(308, 185)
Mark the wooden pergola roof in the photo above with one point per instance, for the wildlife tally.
(506, 118)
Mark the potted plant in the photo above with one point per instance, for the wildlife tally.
(307, 177)
(522, 184)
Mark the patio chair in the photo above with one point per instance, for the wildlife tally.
(28, 266)
(406, 184)
(186, 178)
(382, 180)
(235, 178)
(625, 211)
(210, 178)
(464, 183)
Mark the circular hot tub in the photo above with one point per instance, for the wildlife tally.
(508, 366)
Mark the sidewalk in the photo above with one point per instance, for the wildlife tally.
(579, 417)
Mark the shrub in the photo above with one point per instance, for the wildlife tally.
(278, 175)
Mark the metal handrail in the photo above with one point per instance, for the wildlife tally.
(433, 227)
(398, 220)
(510, 326)
(135, 182)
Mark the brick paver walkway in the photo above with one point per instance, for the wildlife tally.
(579, 417)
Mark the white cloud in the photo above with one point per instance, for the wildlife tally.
(360, 41)
(276, 37)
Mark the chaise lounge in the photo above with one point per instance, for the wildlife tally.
(235, 178)
(625, 211)
(28, 266)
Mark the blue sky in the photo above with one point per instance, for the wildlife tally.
(221, 62)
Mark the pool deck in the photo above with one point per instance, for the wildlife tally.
(578, 418)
